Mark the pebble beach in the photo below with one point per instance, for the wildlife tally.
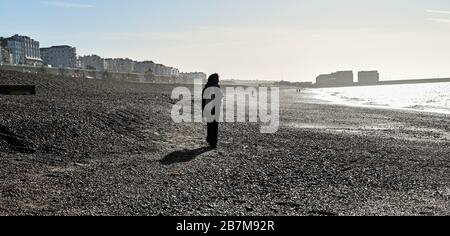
(91, 147)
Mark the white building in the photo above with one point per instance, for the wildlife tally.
(5, 56)
(160, 70)
(60, 56)
(125, 65)
(194, 76)
(119, 65)
(5, 52)
(92, 62)
(110, 65)
(25, 51)
(144, 67)
(174, 72)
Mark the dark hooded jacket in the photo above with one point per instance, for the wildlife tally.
(212, 82)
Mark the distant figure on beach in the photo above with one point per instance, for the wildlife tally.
(213, 126)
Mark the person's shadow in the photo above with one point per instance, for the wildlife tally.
(183, 156)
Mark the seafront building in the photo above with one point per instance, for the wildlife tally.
(343, 77)
(5, 56)
(144, 67)
(24, 50)
(119, 65)
(60, 56)
(368, 77)
(110, 65)
(194, 76)
(161, 70)
(339, 78)
(125, 65)
(1, 55)
(174, 72)
(324, 79)
(91, 62)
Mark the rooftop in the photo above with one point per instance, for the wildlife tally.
(59, 46)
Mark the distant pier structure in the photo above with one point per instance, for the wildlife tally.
(365, 78)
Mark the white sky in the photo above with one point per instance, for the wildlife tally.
(249, 39)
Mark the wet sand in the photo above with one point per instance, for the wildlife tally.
(87, 147)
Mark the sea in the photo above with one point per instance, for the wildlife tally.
(430, 97)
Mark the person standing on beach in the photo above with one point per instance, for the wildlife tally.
(212, 99)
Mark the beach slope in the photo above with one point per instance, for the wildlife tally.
(90, 147)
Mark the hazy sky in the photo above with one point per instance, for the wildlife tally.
(248, 39)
